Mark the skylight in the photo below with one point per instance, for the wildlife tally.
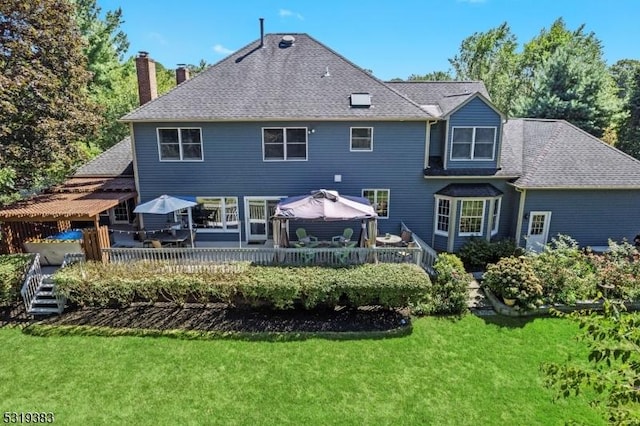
(360, 100)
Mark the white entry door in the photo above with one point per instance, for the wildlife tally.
(258, 212)
(538, 230)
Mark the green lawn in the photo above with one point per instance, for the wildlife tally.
(471, 371)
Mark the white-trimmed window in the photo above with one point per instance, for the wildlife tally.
(213, 214)
(180, 144)
(473, 143)
(471, 217)
(379, 199)
(284, 143)
(443, 214)
(362, 139)
(495, 216)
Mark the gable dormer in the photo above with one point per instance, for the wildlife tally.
(473, 134)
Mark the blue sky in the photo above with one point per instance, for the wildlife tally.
(392, 38)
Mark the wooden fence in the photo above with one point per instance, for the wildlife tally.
(16, 233)
(94, 241)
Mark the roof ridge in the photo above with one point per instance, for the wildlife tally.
(373, 77)
(433, 81)
(190, 79)
(541, 156)
(610, 147)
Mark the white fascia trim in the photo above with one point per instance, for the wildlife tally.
(269, 119)
(472, 177)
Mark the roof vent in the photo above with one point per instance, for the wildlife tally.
(287, 41)
(360, 100)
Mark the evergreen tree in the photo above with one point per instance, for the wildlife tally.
(567, 87)
(629, 135)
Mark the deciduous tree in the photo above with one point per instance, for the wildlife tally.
(613, 368)
(45, 111)
(492, 58)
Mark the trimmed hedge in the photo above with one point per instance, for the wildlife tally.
(477, 253)
(118, 285)
(13, 268)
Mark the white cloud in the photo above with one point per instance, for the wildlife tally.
(218, 48)
(286, 13)
(158, 38)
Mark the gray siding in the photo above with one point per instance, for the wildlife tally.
(233, 166)
(475, 113)
(436, 143)
(509, 199)
(589, 216)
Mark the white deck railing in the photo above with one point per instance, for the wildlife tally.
(269, 256)
(31, 282)
(429, 255)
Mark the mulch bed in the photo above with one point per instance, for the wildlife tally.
(222, 318)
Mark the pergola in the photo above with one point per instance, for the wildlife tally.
(78, 199)
(325, 206)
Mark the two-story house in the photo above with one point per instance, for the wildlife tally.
(286, 115)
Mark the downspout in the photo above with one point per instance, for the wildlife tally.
(445, 157)
(523, 196)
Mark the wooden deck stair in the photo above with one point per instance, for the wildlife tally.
(45, 301)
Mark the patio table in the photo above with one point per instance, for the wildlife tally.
(388, 239)
(175, 238)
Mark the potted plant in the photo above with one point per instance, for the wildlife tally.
(514, 280)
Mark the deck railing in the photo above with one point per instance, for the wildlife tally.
(429, 255)
(31, 283)
(199, 258)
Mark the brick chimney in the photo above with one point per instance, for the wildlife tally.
(182, 73)
(147, 86)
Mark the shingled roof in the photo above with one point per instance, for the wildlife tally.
(557, 154)
(439, 98)
(115, 161)
(305, 80)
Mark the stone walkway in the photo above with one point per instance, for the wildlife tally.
(478, 303)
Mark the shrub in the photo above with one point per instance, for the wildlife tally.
(514, 278)
(477, 253)
(618, 271)
(388, 285)
(450, 291)
(565, 272)
(13, 268)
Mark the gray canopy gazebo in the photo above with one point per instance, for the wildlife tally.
(325, 206)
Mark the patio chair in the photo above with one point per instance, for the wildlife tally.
(343, 256)
(346, 236)
(406, 238)
(301, 233)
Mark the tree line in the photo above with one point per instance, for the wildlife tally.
(65, 82)
(560, 73)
